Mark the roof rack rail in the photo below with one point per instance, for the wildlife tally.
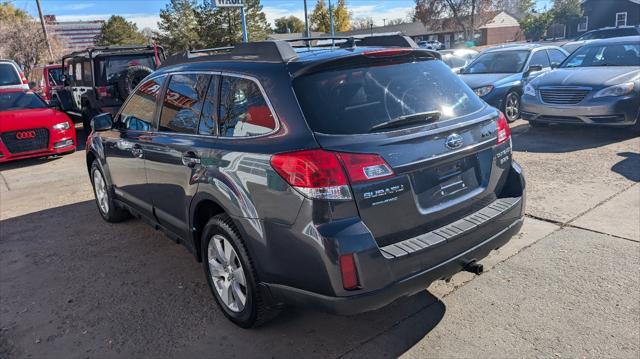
(262, 51)
(353, 41)
(115, 48)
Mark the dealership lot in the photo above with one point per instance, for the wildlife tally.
(72, 285)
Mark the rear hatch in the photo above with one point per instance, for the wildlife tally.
(437, 136)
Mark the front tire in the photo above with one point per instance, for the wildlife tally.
(106, 206)
(231, 275)
(512, 106)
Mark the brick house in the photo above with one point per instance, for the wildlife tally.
(608, 13)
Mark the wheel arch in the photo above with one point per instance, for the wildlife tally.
(201, 211)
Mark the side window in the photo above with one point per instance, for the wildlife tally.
(209, 118)
(183, 103)
(138, 113)
(556, 56)
(87, 78)
(77, 76)
(540, 58)
(243, 109)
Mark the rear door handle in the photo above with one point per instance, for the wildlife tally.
(136, 150)
(190, 159)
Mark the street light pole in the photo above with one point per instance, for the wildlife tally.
(44, 30)
(306, 21)
(331, 19)
(245, 37)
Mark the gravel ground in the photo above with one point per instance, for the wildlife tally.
(72, 285)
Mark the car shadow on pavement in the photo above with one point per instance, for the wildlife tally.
(83, 287)
(565, 138)
(629, 167)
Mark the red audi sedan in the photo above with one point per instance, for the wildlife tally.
(29, 128)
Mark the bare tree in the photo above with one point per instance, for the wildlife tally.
(361, 23)
(461, 15)
(24, 42)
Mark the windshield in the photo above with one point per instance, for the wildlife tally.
(604, 55)
(17, 100)
(9, 75)
(109, 69)
(55, 76)
(354, 100)
(498, 62)
(606, 34)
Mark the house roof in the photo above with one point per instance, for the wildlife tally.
(503, 19)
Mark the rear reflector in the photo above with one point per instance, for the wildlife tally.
(387, 52)
(503, 129)
(349, 271)
(323, 174)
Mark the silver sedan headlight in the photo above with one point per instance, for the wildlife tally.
(530, 90)
(484, 90)
(615, 90)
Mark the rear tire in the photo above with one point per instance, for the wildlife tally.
(233, 275)
(104, 200)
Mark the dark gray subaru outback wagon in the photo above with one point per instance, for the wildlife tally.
(338, 176)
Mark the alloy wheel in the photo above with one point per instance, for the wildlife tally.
(512, 107)
(227, 273)
(101, 191)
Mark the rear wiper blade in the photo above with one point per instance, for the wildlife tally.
(425, 117)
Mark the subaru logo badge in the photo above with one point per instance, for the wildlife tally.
(454, 141)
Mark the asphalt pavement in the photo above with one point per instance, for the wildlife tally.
(74, 286)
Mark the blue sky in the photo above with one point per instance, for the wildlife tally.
(145, 12)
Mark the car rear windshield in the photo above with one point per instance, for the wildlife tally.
(354, 100)
(604, 55)
(55, 76)
(498, 62)
(109, 69)
(9, 75)
(20, 100)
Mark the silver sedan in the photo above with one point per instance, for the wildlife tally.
(598, 84)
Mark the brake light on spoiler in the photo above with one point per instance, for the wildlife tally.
(387, 52)
(321, 174)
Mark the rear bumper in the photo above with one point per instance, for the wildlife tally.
(401, 288)
(404, 268)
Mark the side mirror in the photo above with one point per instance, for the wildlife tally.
(555, 65)
(102, 122)
(534, 68)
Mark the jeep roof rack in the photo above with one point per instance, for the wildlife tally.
(112, 48)
(282, 51)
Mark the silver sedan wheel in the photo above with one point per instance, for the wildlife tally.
(227, 274)
(101, 191)
(512, 107)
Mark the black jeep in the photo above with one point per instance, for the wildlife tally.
(99, 79)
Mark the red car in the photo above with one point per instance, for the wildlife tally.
(45, 78)
(29, 128)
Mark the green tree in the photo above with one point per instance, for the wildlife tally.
(320, 17)
(536, 25)
(179, 26)
(8, 13)
(288, 24)
(567, 12)
(118, 31)
(223, 26)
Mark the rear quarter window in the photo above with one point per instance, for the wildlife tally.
(353, 100)
(9, 75)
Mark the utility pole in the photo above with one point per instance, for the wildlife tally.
(473, 14)
(384, 22)
(44, 30)
(331, 19)
(306, 21)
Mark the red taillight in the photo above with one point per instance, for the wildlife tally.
(503, 129)
(103, 91)
(323, 174)
(349, 271)
(387, 52)
(23, 78)
(365, 167)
